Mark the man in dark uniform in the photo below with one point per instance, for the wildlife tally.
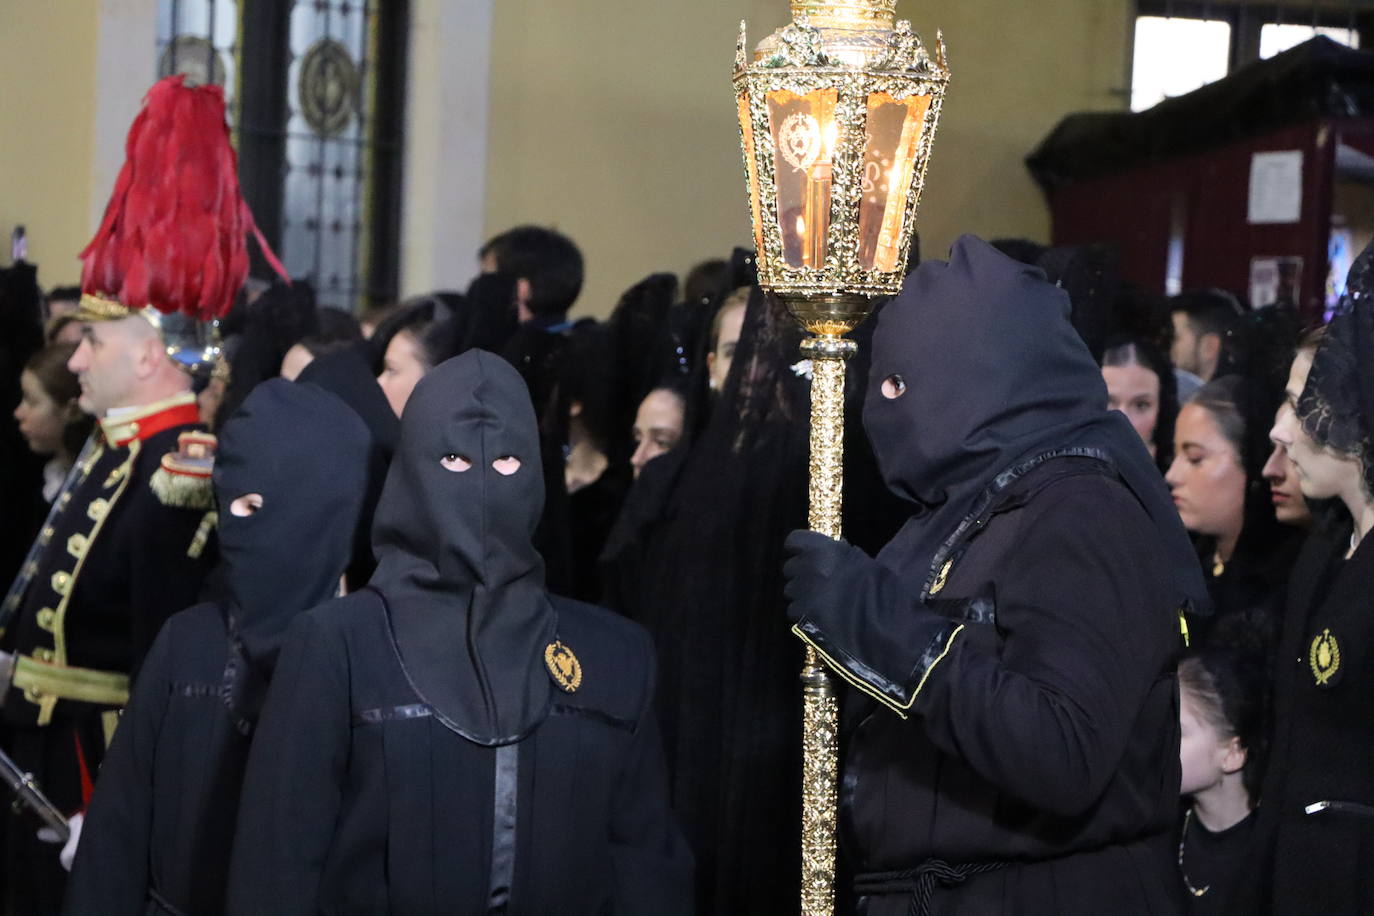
(1013, 734)
(130, 536)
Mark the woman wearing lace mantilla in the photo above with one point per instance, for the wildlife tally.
(1317, 813)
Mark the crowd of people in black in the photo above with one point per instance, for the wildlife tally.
(672, 441)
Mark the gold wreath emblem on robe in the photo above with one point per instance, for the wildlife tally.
(563, 666)
(1325, 657)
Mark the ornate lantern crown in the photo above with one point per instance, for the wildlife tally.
(837, 114)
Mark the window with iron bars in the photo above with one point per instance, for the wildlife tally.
(1180, 45)
(315, 94)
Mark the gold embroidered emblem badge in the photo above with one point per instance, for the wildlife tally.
(1325, 658)
(563, 666)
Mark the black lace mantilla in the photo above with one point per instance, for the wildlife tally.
(1337, 404)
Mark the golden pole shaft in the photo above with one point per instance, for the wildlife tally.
(820, 709)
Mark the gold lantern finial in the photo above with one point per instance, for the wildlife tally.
(837, 114)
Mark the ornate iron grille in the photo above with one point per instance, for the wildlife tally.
(316, 93)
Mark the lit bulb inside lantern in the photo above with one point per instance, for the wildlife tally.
(801, 227)
(830, 134)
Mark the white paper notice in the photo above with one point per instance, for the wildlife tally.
(1276, 187)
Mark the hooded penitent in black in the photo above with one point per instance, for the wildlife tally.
(453, 739)
(161, 822)
(994, 374)
(455, 563)
(1012, 739)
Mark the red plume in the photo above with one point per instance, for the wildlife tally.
(175, 231)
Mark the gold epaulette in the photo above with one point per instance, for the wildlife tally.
(183, 480)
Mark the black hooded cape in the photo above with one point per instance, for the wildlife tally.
(453, 739)
(161, 822)
(1012, 741)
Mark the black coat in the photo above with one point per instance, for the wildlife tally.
(162, 823)
(359, 799)
(1323, 748)
(1037, 742)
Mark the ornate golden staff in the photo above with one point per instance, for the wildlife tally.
(837, 115)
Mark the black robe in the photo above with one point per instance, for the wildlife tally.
(161, 822)
(1323, 747)
(360, 800)
(1047, 737)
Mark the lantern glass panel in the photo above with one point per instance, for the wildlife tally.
(746, 126)
(804, 133)
(893, 129)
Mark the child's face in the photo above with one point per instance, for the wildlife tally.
(1204, 754)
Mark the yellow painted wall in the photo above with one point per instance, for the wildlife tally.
(47, 117)
(613, 120)
(1018, 68)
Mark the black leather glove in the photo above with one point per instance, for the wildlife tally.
(862, 618)
(815, 572)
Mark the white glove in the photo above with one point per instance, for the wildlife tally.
(68, 852)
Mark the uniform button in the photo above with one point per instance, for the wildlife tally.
(44, 655)
(97, 509)
(76, 545)
(47, 618)
(33, 694)
(62, 582)
(48, 532)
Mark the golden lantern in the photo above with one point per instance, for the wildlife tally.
(837, 114)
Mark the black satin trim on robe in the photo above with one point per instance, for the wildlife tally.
(194, 691)
(392, 714)
(981, 609)
(240, 689)
(935, 634)
(503, 826)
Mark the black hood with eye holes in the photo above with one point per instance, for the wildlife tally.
(305, 453)
(462, 581)
(995, 375)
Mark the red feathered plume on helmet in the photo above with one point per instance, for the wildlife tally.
(175, 230)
